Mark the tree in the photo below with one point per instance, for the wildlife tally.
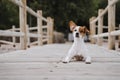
(65, 10)
(8, 14)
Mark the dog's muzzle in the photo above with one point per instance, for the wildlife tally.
(77, 35)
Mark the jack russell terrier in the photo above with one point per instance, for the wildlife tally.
(78, 50)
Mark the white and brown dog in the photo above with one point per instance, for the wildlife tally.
(78, 50)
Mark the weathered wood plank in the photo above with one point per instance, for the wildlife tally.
(44, 63)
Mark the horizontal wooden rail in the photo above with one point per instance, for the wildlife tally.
(10, 33)
(113, 33)
(33, 43)
(33, 28)
(7, 42)
(43, 33)
(44, 26)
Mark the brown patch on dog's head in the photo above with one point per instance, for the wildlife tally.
(72, 25)
(83, 30)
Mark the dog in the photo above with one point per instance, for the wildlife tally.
(78, 50)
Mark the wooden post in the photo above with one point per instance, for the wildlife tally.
(92, 30)
(119, 38)
(28, 38)
(39, 25)
(23, 21)
(111, 25)
(52, 30)
(100, 27)
(13, 37)
(50, 26)
(48, 30)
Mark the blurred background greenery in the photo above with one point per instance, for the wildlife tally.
(61, 10)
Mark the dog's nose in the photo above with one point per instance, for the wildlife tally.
(77, 34)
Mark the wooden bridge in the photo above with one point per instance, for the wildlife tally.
(45, 62)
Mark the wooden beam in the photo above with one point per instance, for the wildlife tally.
(119, 38)
(23, 21)
(39, 25)
(52, 30)
(7, 42)
(92, 29)
(10, 33)
(100, 27)
(111, 25)
(48, 30)
(13, 37)
(112, 33)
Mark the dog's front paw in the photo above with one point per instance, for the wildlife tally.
(88, 60)
(64, 61)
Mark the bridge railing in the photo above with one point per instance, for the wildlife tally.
(44, 33)
(111, 25)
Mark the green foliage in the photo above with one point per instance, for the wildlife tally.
(118, 14)
(103, 4)
(9, 14)
(61, 10)
(65, 10)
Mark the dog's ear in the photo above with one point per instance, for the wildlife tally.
(86, 30)
(72, 25)
(83, 30)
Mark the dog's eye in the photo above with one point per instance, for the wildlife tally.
(75, 30)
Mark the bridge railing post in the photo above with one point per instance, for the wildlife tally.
(111, 25)
(119, 38)
(28, 38)
(50, 30)
(23, 21)
(92, 30)
(100, 27)
(39, 25)
(13, 37)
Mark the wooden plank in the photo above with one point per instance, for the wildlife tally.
(34, 43)
(45, 40)
(44, 26)
(6, 42)
(111, 25)
(33, 28)
(10, 33)
(23, 23)
(34, 35)
(100, 27)
(39, 25)
(44, 63)
(113, 33)
(92, 29)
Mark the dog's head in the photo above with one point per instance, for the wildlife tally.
(78, 31)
